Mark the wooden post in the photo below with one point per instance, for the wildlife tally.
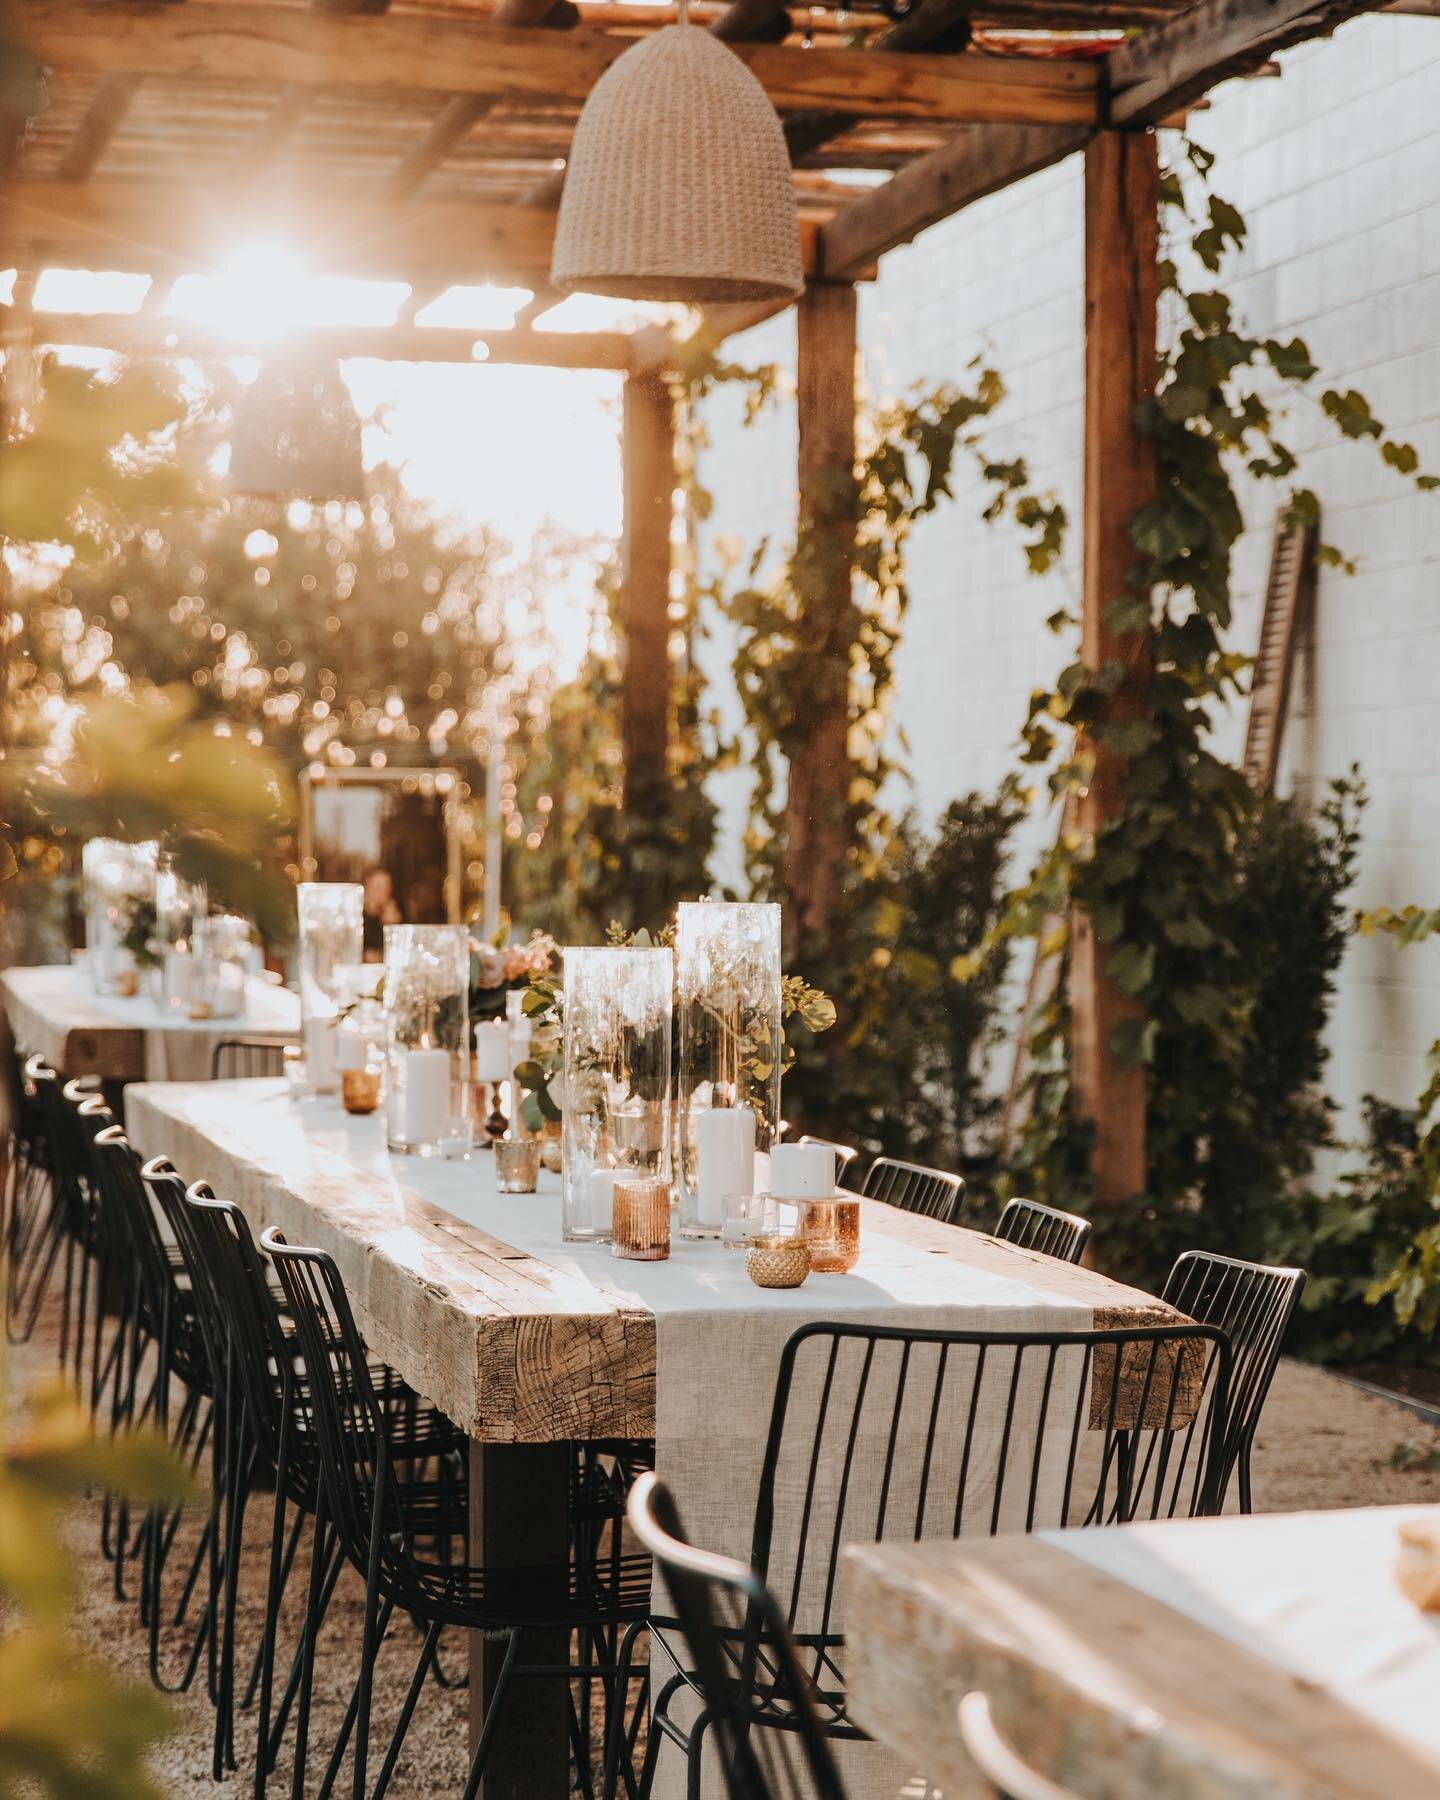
(1121, 248)
(816, 838)
(648, 452)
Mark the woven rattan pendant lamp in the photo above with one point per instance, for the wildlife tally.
(678, 185)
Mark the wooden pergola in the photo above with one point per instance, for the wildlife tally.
(425, 142)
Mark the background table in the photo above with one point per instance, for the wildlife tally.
(1269, 1656)
(54, 1010)
(528, 1342)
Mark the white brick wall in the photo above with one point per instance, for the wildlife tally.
(1337, 168)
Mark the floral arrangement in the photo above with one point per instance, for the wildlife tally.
(497, 969)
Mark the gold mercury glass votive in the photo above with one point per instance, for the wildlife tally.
(640, 1231)
(517, 1165)
(832, 1232)
(777, 1261)
(550, 1146)
(360, 1090)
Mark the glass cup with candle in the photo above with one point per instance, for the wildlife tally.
(728, 1100)
(360, 1042)
(332, 915)
(517, 1165)
(616, 1094)
(641, 1218)
(427, 987)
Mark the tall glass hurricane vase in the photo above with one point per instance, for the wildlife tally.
(619, 1006)
(118, 877)
(728, 992)
(427, 1019)
(332, 918)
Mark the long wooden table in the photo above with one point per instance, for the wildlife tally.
(529, 1343)
(54, 1011)
(1262, 1658)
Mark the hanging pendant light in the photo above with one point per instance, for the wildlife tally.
(296, 435)
(678, 185)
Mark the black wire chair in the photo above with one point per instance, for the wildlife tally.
(73, 1202)
(385, 1524)
(915, 1189)
(1253, 1304)
(883, 1432)
(246, 1058)
(706, 1589)
(1044, 1229)
(845, 1154)
(33, 1229)
(271, 1440)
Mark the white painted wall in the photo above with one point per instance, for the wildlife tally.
(1336, 167)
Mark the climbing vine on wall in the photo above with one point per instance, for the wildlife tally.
(1157, 880)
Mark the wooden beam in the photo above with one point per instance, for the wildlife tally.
(816, 832)
(1122, 206)
(979, 160)
(238, 42)
(338, 227)
(102, 120)
(1165, 67)
(647, 445)
(133, 334)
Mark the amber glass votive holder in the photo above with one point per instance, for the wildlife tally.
(831, 1230)
(517, 1165)
(777, 1260)
(640, 1230)
(360, 1090)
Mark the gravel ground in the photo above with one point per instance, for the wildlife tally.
(1321, 1444)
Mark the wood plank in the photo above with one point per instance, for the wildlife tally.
(1092, 1681)
(817, 838)
(1165, 67)
(94, 132)
(134, 335)
(647, 448)
(979, 160)
(274, 45)
(1121, 247)
(341, 227)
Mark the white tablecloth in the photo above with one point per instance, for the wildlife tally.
(1314, 1593)
(47, 1004)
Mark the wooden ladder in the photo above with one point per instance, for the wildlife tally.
(1288, 594)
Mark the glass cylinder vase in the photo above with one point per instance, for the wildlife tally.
(728, 1095)
(332, 921)
(118, 878)
(619, 1004)
(179, 904)
(427, 1024)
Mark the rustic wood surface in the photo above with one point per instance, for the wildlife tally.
(1095, 1684)
(516, 1348)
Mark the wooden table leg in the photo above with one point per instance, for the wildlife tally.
(519, 1504)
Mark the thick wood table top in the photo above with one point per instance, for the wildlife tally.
(517, 1336)
(54, 1011)
(1267, 1656)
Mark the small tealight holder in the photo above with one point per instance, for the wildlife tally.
(517, 1165)
(777, 1259)
(742, 1218)
(640, 1231)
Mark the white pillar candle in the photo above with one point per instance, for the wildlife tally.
(802, 1171)
(492, 1052)
(350, 1048)
(426, 1078)
(320, 1067)
(602, 1198)
(725, 1150)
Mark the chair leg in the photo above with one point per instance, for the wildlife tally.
(402, 1724)
(376, 1621)
(616, 1756)
(492, 1718)
(307, 1647)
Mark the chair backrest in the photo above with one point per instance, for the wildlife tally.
(1252, 1303)
(743, 1656)
(163, 1299)
(68, 1148)
(260, 1357)
(211, 1312)
(1035, 1226)
(882, 1433)
(344, 1408)
(242, 1058)
(914, 1188)
(845, 1154)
